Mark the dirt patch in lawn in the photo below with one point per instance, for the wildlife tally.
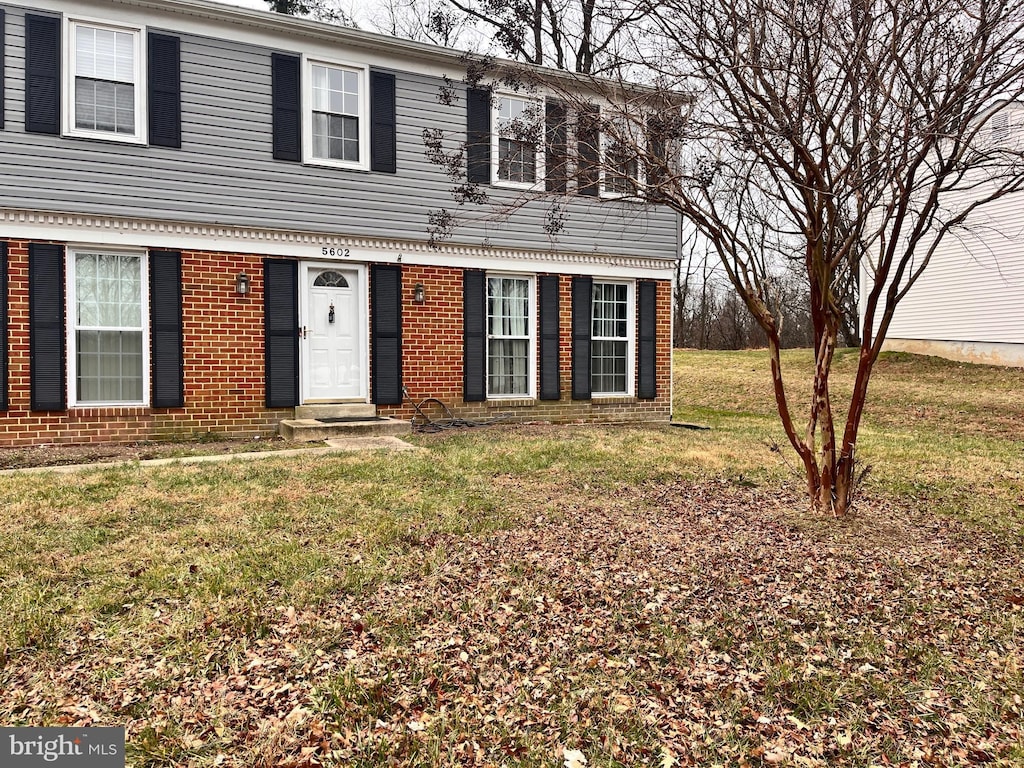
(51, 455)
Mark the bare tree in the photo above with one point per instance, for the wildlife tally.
(863, 131)
(427, 21)
(858, 133)
(573, 35)
(321, 10)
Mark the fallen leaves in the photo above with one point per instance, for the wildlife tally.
(670, 626)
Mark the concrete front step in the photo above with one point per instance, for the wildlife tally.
(310, 430)
(336, 411)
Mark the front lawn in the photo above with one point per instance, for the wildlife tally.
(522, 596)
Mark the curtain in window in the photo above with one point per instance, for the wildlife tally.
(508, 348)
(108, 335)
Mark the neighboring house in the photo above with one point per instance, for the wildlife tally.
(211, 215)
(968, 304)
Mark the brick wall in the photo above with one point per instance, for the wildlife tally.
(432, 358)
(223, 346)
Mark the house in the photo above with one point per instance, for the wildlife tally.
(211, 216)
(967, 304)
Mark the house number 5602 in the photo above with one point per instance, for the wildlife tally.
(343, 252)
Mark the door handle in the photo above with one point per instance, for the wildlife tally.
(303, 332)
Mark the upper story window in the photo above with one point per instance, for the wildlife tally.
(621, 165)
(107, 335)
(518, 141)
(105, 93)
(509, 337)
(611, 339)
(337, 128)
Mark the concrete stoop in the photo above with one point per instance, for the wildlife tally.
(313, 423)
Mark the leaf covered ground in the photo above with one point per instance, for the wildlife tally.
(534, 596)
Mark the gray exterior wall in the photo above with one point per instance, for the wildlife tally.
(224, 172)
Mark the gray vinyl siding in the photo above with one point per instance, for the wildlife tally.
(224, 172)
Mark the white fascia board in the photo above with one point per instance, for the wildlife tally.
(90, 230)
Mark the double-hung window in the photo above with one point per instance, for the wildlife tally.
(621, 162)
(519, 149)
(337, 131)
(105, 93)
(611, 333)
(509, 336)
(107, 307)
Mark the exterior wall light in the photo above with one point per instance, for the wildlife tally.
(242, 284)
(419, 294)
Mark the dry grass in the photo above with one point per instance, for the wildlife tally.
(645, 596)
(945, 434)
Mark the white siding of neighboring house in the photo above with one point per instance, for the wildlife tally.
(969, 302)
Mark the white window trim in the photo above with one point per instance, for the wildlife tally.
(141, 135)
(72, 325)
(630, 338)
(604, 140)
(531, 345)
(307, 113)
(540, 149)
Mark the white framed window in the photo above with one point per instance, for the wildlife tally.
(611, 339)
(510, 336)
(517, 143)
(620, 167)
(104, 92)
(108, 311)
(336, 122)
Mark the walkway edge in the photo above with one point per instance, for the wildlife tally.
(333, 446)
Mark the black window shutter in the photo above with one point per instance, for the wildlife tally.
(42, 74)
(386, 333)
(478, 135)
(556, 153)
(647, 304)
(281, 332)
(474, 328)
(3, 62)
(383, 148)
(657, 160)
(164, 74)
(285, 92)
(582, 297)
(46, 327)
(166, 329)
(588, 136)
(3, 327)
(550, 385)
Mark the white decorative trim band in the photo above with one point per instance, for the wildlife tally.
(144, 233)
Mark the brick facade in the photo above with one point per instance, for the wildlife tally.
(433, 363)
(224, 361)
(223, 346)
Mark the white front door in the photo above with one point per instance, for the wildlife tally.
(333, 337)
